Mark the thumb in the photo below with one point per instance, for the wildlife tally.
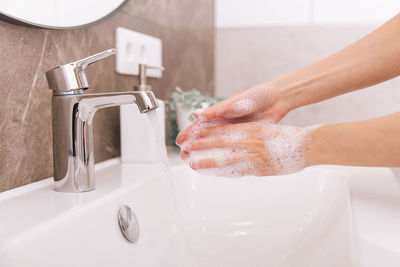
(229, 109)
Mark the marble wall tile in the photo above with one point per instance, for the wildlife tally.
(186, 29)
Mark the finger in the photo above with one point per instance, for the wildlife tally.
(197, 114)
(209, 143)
(215, 111)
(240, 108)
(234, 107)
(188, 132)
(184, 155)
(245, 145)
(193, 131)
(202, 164)
(229, 129)
(218, 130)
(207, 163)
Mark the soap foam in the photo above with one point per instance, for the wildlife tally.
(195, 130)
(227, 164)
(221, 156)
(243, 106)
(198, 113)
(234, 137)
(237, 170)
(286, 149)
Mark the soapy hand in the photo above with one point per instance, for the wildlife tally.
(257, 103)
(225, 148)
(260, 102)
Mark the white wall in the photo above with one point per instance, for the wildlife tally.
(259, 40)
(261, 13)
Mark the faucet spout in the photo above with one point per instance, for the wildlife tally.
(90, 103)
(145, 101)
(73, 153)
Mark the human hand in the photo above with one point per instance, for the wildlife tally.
(261, 102)
(237, 149)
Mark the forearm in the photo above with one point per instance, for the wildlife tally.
(373, 142)
(371, 60)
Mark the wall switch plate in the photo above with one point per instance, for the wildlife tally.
(135, 48)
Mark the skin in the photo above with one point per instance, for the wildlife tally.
(251, 148)
(249, 151)
(371, 60)
(372, 142)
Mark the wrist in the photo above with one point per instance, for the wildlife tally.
(314, 147)
(297, 89)
(275, 100)
(284, 97)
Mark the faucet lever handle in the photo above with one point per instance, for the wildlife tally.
(72, 77)
(94, 58)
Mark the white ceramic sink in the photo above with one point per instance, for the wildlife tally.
(297, 220)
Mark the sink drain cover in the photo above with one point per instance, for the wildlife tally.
(128, 223)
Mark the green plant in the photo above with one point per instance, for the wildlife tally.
(190, 100)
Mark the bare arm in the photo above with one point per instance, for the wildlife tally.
(374, 142)
(371, 60)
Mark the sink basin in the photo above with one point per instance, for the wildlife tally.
(301, 219)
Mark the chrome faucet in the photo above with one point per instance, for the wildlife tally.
(73, 112)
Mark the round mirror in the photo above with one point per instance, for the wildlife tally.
(58, 14)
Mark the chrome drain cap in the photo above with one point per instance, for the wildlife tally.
(128, 223)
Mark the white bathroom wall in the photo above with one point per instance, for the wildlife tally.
(353, 11)
(259, 13)
(262, 13)
(253, 49)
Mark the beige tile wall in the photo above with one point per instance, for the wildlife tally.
(245, 57)
(187, 31)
